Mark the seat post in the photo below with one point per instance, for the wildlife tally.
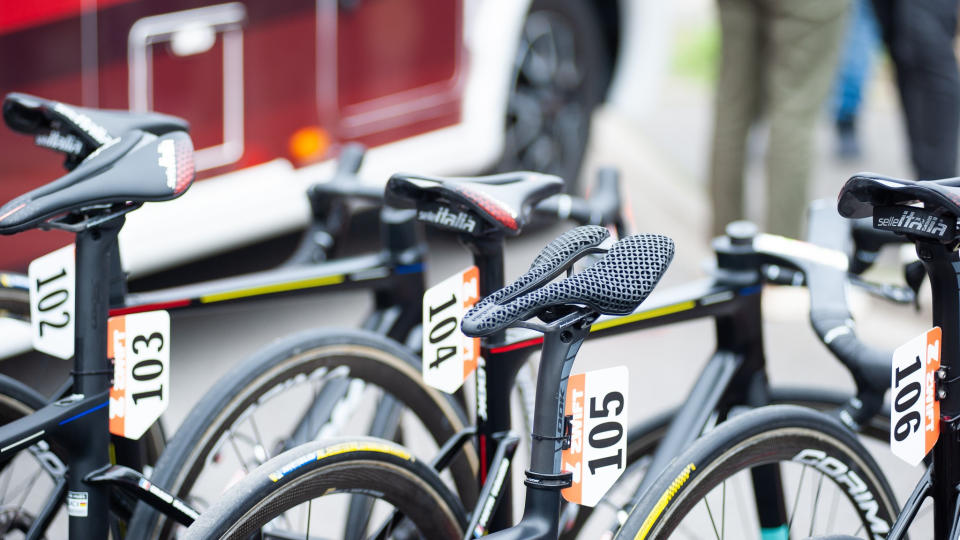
(943, 266)
(89, 445)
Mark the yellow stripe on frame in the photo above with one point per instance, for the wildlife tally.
(268, 289)
(643, 315)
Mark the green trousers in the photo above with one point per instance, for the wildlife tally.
(778, 59)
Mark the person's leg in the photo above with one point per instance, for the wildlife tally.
(921, 46)
(804, 41)
(736, 107)
(856, 59)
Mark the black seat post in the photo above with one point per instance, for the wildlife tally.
(92, 373)
(943, 266)
(499, 376)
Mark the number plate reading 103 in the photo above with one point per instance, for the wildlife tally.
(915, 411)
(449, 357)
(139, 345)
(597, 401)
(52, 286)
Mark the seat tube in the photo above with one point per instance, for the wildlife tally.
(496, 378)
(88, 438)
(943, 266)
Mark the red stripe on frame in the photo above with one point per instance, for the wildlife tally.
(149, 307)
(517, 345)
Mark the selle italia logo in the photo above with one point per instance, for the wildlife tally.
(911, 221)
(443, 216)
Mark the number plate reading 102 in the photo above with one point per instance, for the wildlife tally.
(597, 401)
(915, 411)
(449, 357)
(139, 345)
(52, 286)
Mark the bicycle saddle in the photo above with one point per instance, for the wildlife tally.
(863, 191)
(615, 285)
(78, 131)
(135, 168)
(476, 205)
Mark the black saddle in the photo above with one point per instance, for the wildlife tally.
(478, 205)
(79, 131)
(135, 168)
(868, 194)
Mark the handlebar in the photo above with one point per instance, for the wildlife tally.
(826, 279)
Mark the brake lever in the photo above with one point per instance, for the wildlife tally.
(895, 293)
(914, 273)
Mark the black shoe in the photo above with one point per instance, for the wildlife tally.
(848, 147)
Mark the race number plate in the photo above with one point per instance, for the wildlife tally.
(139, 345)
(52, 288)
(449, 357)
(915, 411)
(597, 401)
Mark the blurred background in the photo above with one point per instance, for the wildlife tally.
(274, 89)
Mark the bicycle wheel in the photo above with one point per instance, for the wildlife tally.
(297, 491)
(642, 441)
(277, 390)
(815, 458)
(27, 478)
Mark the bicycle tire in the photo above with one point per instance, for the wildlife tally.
(320, 468)
(778, 434)
(369, 356)
(643, 438)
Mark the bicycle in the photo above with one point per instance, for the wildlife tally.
(931, 226)
(732, 298)
(70, 437)
(631, 267)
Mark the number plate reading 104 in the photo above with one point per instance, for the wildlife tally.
(597, 401)
(449, 357)
(915, 411)
(139, 345)
(52, 286)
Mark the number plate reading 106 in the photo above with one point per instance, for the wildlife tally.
(915, 411)
(139, 345)
(449, 357)
(597, 401)
(52, 286)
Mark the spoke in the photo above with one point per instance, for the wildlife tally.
(816, 499)
(723, 510)
(260, 452)
(309, 510)
(833, 510)
(236, 450)
(29, 488)
(712, 521)
(796, 498)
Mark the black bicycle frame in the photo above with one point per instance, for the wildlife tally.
(734, 376)
(78, 424)
(395, 274)
(943, 474)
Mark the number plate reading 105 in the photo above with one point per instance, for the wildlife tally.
(139, 345)
(449, 357)
(597, 401)
(915, 411)
(52, 286)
